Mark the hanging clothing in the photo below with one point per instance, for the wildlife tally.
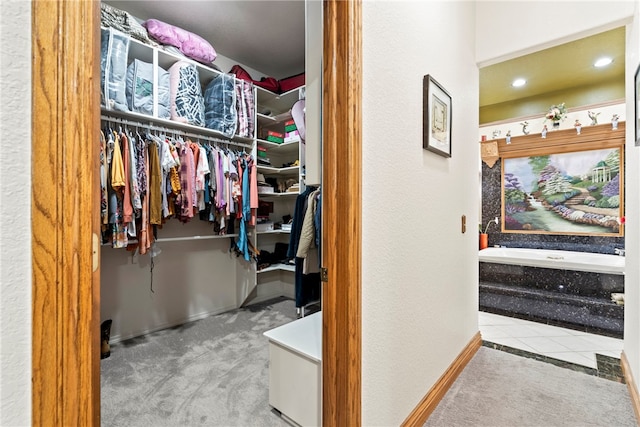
(307, 286)
(307, 248)
(104, 210)
(155, 185)
(187, 189)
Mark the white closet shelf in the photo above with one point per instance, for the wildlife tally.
(274, 232)
(268, 170)
(143, 121)
(277, 195)
(284, 148)
(265, 120)
(276, 103)
(278, 267)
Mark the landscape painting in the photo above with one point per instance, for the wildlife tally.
(571, 193)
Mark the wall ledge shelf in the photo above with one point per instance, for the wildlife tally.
(561, 141)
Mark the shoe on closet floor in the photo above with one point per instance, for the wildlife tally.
(105, 332)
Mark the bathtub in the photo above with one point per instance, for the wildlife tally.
(563, 260)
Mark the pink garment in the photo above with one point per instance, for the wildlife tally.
(253, 192)
(127, 215)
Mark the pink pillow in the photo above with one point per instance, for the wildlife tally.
(190, 44)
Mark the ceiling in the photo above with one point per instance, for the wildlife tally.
(265, 35)
(563, 67)
(268, 36)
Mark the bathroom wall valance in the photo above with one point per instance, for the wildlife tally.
(556, 142)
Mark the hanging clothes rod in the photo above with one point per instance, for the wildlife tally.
(184, 238)
(178, 239)
(171, 129)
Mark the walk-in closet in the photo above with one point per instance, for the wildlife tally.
(210, 208)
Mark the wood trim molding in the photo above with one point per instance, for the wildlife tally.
(429, 403)
(631, 385)
(342, 212)
(65, 301)
(563, 141)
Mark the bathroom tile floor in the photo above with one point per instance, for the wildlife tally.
(572, 346)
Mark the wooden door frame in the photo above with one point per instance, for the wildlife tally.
(342, 212)
(65, 218)
(64, 213)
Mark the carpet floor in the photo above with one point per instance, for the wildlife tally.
(214, 372)
(211, 372)
(500, 389)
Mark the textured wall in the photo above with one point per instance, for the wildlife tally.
(538, 25)
(420, 273)
(15, 224)
(632, 187)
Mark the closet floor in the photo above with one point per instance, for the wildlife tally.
(213, 371)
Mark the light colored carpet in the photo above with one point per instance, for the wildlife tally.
(211, 372)
(500, 389)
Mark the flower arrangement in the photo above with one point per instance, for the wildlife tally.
(557, 113)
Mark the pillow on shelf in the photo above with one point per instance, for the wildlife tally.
(192, 45)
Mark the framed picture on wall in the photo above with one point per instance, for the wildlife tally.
(637, 106)
(564, 193)
(436, 120)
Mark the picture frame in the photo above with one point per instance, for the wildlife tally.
(436, 120)
(636, 81)
(564, 193)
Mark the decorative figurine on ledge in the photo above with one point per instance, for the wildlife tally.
(495, 134)
(578, 126)
(544, 131)
(508, 136)
(614, 122)
(525, 127)
(594, 117)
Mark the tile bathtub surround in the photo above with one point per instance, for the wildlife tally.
(580, 351)
(569, 298)
(572, 282)
(584, 314)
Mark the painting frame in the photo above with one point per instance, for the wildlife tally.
(560, 168)
(437, 115)
(636, 81)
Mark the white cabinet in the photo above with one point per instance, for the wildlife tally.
(295, 369)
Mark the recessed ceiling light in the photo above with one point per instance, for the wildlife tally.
(603, 62)
(518, 82)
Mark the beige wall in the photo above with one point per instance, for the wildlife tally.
(15, 224)
(632, 206)
(419, 272)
